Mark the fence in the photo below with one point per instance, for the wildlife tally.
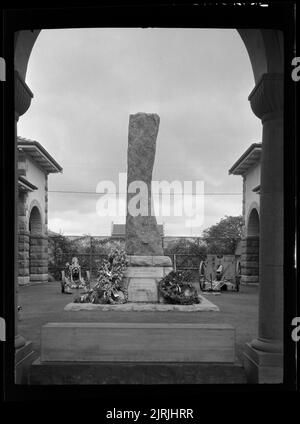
(92, 250)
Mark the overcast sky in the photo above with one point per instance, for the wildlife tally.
(86, 82)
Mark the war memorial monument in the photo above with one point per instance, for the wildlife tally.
(96, 352)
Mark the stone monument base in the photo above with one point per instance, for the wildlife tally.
(204, 306)
(137, 342)
(97, 373)
(136, 353)
(142, 276)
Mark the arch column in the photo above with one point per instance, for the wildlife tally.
(249, 260)
(23, 241)
(38, 258)
(263, 357)
(24, 354)
(250, 249)
(38, 245)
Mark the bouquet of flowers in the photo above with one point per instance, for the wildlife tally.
(109, 287)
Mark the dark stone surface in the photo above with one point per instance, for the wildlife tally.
(142, 234)
(24, 357)
(142, 373)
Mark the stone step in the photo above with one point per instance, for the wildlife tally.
(137, 342)
(135, 373)
(24, 357)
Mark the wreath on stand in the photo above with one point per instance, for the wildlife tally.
(109, 287)
(176, 289)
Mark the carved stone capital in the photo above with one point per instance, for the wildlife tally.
(23, 95)
(266, 98)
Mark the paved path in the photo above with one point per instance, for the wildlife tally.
(43, 303)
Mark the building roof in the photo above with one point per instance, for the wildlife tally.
(250, 157)
(53, 233)
(40, 155)
(25, 185)
(119, 230)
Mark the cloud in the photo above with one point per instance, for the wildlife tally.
(87, 82)
(72, 222)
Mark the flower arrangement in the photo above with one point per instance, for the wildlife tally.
(175, 289)
(109, 287)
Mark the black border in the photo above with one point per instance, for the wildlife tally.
(209, 15)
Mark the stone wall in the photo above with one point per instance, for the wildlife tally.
(252, 180)
(32, 247)
(250, 260)
(23, 257)
(23, 242)
(38, 258)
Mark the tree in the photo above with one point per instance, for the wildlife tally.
(222, 238)
(60, 250)
(185, 246)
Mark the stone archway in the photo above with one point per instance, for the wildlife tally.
(264, 355)
(38, 246)
(35, 222)
(250, 249)
(253, 223)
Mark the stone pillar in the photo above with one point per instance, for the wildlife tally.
(244, 197)
(264, 355)
(23, 242)
(24, 354)
(46, 240)
(142, 235)
(46, 203)
(38, 258)
(147, 265)
(250, 260)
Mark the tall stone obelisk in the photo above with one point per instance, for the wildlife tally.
(142, 235)
(147, 265)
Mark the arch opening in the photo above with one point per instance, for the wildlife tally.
(35, 222)
(253, 223)
(38, 248)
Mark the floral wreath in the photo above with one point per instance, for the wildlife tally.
(176, 290)
(109, 287)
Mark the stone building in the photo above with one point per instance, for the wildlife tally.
(118, 231)
(248, 166)
(34, 166)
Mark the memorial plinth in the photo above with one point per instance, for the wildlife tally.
(142, 277)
